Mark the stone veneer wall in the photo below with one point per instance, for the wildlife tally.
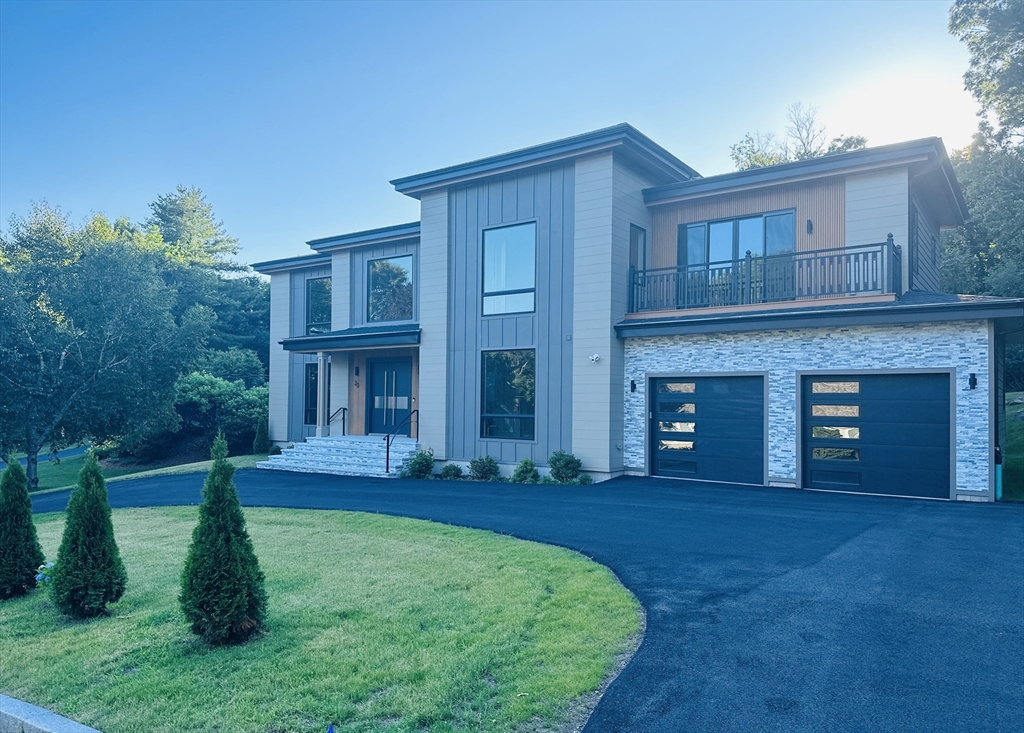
(962, 344)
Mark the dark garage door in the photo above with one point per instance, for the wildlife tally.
(709, 428)
(881, 434)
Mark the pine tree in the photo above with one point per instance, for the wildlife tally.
(222, 593)
(89, 573)
(261, 443)
(20, 554)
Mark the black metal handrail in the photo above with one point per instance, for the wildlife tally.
(857, 270)
(390, 437)
(344, 413)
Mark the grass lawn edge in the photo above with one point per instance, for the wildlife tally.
(580, 708)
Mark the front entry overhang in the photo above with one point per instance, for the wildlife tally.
(365, 337)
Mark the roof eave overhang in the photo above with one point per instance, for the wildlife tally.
(385, 235)
(271, 267)
(642, 152)
(822, 318)
(824, 167)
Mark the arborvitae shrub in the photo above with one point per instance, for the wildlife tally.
(89, 573)
(421, 465)
(20, 554)
(451, 471)
(526, 473)
(222, 593)
(565, 467)
(484, 469)
(261, 443)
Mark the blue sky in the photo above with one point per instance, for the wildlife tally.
(293, 117)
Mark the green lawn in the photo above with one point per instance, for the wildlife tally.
(1013, 461)
(376, 624)
(65, 474)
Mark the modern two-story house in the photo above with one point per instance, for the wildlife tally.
(778, 326)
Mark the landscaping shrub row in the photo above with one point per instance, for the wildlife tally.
(564, 469)
(222, 586)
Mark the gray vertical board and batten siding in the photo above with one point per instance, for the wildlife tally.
(547, 197)
(296, 402)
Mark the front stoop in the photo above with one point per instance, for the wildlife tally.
(348, 455)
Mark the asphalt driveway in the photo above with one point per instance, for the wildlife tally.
(767, 609)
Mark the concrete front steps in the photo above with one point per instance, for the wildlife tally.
(344, 455)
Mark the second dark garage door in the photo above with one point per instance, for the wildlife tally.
(878, 433)
(709, 428)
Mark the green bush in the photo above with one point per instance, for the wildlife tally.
(484, 469)
(451, 471)
(261, 443)
(275, 450)
(526, 473)
(234, 365)
(421, 465)
(89, 573)
(208, 405)
(222, 592)
(585, 479)
(565, 467)
(20, 554)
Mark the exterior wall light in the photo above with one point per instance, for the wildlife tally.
(972, 381)
(595, 358)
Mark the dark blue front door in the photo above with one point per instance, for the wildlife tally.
(389, 395)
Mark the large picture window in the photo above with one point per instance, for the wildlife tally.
(389, 289)
(509, 387)
(318, 305)
(510, 259)
(731, 239)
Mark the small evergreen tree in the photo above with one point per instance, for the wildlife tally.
(261, 443)
(526, 473)
(20, 554)
(89, 573)
(222, 594)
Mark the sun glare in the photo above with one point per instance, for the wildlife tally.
(888, 107)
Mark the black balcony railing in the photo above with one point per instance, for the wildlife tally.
(860, 270)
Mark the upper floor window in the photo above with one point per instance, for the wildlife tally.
(730, 240)
(318, 305)
(637, 248)
(510, 264)
(389, 289)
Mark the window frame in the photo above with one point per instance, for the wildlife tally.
(483, 399)
(641, 249)
(310, 324)
(682, 251)
(484, 293)
(412, 283)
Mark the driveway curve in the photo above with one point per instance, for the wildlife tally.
(767, 609)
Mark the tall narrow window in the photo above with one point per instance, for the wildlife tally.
(509, 388)
(318, 305)
(309, 386)
(637, 248)
(510, 263)
(389, 289)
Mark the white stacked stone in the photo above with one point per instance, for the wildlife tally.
(352, 455)
(962, 346)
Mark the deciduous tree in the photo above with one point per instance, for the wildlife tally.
(89, 346)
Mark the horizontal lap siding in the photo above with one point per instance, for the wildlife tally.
(823, 202)
(546, 197)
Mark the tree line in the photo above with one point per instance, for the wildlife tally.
(143, 339)
(986, 255)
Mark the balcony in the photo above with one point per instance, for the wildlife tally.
(869, 269)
